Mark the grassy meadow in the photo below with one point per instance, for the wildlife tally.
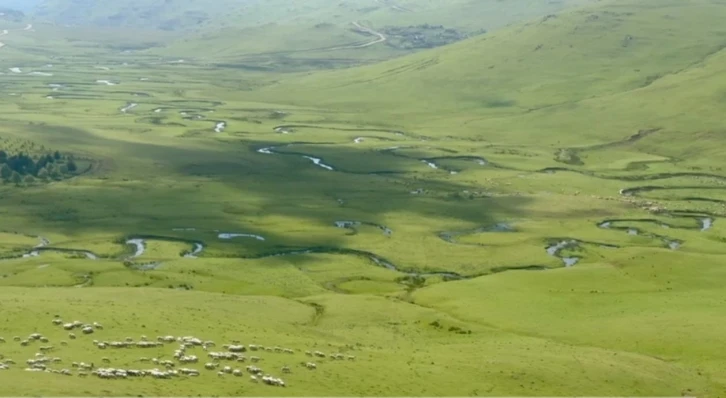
(535, 211)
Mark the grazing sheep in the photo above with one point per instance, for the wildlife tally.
(101, 346)
(253, 347)
(288, 351)
(57, 321)
(2, 340)
(105, 360)
(68, 326)
(255, 359)
(220, 374)
(71, 336)
(273, 381)
(74, 364)
(308, 353)
(237, 372)
(319, 354)
(311, 366)
(237, 348)
(16, 338)
(63, 343)
(227, 369)
(254, 379)
(35, 336)
(24, 343)
(44, 340)
(286, 369)
(97, 325)
(82, 374)
(351, 358)
(210, 365)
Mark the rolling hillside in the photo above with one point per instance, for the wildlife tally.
(192, 14)
(549, 78)
(535, 211)
(282, 35)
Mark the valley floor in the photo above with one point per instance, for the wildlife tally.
(439, 261)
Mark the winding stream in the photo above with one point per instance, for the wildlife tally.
(140, 245)
(319, 162)
(228, 235)
(556, 249)
(352, 226)
(129, 107)
(673, 244)
(198, 247)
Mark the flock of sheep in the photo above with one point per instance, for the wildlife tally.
(234, 354)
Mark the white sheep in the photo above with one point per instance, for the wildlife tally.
(237, 372)
(71, 336)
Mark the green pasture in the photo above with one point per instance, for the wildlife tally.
(461, 169)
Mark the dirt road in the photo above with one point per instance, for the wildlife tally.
(380, 38)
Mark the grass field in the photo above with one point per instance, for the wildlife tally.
(486, 218)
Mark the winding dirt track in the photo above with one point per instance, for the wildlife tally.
(381, 38)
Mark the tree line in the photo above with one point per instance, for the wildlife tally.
(23, 168)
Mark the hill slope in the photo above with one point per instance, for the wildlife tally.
(192, 14)
(509, 80)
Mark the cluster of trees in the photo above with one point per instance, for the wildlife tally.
(22, 168)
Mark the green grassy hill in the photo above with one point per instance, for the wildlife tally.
(488, 218)
(288, 36)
